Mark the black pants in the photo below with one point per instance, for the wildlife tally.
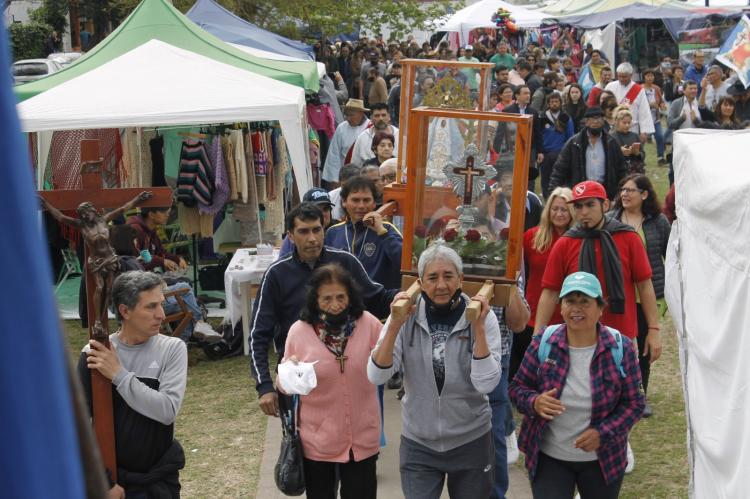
(643, 361)
(557, 479)
(521, 342)
(358, 479)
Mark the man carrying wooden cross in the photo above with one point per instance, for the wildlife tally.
(148, 372)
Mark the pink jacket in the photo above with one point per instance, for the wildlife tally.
(342, 412)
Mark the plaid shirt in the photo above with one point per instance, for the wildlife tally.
(616, 403)
(506, 335)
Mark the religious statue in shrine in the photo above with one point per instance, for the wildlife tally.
(446, 145)
(102, 263)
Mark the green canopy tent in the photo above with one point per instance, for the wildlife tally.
(158, 19)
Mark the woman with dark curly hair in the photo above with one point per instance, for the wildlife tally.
(638, 206)
(339, 420)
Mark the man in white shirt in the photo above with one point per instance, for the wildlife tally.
(713, 88)
(343, 139)
(381, 120)
(628, 92)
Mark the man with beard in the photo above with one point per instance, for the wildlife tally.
(557, 128)
(590, 155)
(282, 293)
(381, 122)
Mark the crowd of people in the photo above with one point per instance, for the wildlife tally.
(571, 350)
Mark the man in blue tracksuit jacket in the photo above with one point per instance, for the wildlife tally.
(282, 292)
(375, 243)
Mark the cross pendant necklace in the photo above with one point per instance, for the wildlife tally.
(341, 358)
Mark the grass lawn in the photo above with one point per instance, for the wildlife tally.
(222, 429)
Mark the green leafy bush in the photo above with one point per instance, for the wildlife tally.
(28, 40)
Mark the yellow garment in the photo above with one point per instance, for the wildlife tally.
(228, 150)
(240, 165)
(192, 222)
(596, 70)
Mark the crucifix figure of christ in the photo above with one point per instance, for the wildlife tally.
(469, 183)
(101, 266)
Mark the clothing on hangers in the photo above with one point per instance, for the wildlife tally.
(240, 164)
(194, 183)
(220, 178)
(320, 117)
(228, 150)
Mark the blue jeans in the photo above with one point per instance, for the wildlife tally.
(171, 306)
(502, 425)
(659, 138)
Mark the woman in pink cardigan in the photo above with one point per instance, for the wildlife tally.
(339, 420)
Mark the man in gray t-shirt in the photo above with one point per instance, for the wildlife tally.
(148, 372)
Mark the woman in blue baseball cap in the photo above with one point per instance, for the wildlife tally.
(578, 389)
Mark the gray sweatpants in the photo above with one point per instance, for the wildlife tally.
(470, 469)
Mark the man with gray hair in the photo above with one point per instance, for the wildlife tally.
(148, 372)
(629, 93)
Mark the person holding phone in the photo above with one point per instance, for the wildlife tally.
(628, 141)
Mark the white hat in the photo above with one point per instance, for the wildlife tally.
(297, 379)
(469, 47)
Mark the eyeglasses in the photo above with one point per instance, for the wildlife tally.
(628, 190)
(389, 177)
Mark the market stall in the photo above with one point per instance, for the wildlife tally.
(479, 15)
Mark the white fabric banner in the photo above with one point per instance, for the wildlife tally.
(708, 292)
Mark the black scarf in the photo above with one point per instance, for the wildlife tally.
(610, 258)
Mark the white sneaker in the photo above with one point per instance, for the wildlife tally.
(205, 332)
(512, 445)
(578, 496)
(631, 460)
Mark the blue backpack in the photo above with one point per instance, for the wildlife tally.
(616, 350)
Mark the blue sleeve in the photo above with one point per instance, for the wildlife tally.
(570, 130)
(377, 299)
(263, 326)
(393, 243)
(286, 247)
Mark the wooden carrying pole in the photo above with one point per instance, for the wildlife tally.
(474, 308)
(400, 309)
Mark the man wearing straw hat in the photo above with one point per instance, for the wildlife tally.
(343, 139)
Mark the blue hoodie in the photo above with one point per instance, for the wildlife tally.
(380, 255)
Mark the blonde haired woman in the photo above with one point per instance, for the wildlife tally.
(629, 142)
(557, 217)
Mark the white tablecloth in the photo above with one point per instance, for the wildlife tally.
(245, 268)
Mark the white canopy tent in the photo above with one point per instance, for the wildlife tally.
(708, 292)
(158, 84)
(479, 15)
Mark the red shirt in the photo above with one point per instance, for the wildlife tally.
(536, 262)
(563, 260)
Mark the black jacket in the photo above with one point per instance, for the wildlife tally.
(536, 132)
(570, 167)
(280, 299)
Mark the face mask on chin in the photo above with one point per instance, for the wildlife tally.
(335, 321)
(595, 131)
(445, 308)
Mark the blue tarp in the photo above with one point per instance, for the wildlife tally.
(39, 456)
(230, 28)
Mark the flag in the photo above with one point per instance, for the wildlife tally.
(735, 51)
(39, 456)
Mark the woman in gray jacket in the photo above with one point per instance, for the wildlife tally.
(449, 366)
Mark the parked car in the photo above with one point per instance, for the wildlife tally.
(33, 69)
(64, 58)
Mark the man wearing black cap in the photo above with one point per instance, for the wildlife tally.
(590, 154)
(320, 198)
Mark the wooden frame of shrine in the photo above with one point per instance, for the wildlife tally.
(416, 197)
(442, 96)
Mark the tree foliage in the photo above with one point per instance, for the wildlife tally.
(308, 19)
(53, 13)
(27, 39)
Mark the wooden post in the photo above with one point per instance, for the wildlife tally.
(474, 308)
(402, 306)
(92, 191)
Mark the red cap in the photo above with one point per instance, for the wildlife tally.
(588, 189)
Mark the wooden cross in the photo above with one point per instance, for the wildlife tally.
(92, 191)
(341, 358)
(469, 172)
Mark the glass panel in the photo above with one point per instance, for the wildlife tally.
(468, 178)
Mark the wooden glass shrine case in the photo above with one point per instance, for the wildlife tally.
(467, 178)
(450, 89)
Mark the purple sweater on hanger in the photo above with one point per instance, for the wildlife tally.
(221, 178)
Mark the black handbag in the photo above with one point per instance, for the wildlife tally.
(289, 471)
